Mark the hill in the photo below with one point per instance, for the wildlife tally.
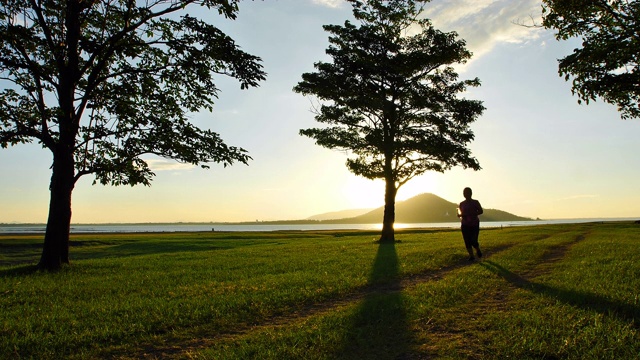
(339, 214)
(426, 208)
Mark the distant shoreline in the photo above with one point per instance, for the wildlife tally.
(273, 226)
(303, 222)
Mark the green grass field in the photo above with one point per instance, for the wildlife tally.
(542, 292)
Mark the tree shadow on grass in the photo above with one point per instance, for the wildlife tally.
(585, 300)
(23, 257)
(22, 270)
(379, 328)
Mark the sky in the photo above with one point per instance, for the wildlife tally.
(542, 154)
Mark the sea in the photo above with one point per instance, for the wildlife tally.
(259, 227)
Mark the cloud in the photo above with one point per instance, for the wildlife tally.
(329, 3)
(167, 165)
(483, 24)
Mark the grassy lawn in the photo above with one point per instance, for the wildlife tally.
(549, 291)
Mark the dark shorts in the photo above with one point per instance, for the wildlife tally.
(470, 235)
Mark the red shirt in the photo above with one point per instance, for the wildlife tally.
(470, 209)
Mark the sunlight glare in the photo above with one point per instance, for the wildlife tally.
(363, 193)
(426, 183)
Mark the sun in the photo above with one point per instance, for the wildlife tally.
(364, 193)
(361, 193)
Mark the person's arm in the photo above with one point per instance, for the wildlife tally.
(479, 207)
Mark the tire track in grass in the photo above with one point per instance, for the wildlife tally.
(544, 266)
(496, 302)
(183, 349)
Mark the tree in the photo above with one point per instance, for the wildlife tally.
(606, 65)
(101, 83)
(390, 97)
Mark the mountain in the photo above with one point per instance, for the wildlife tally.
(426, 208)
(339, 214)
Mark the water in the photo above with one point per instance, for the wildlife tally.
(187, 227)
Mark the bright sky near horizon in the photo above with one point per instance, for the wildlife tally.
(543, 155)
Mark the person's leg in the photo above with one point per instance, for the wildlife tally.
(476, 244)
(467, 235)
(470, 250)
(478, 252)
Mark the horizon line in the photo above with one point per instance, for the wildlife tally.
(299, 220)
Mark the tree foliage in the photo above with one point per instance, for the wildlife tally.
(101, 83)
(606, 65)
(391, 98)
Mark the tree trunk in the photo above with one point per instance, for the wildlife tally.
(389, 218)
(55, 251)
